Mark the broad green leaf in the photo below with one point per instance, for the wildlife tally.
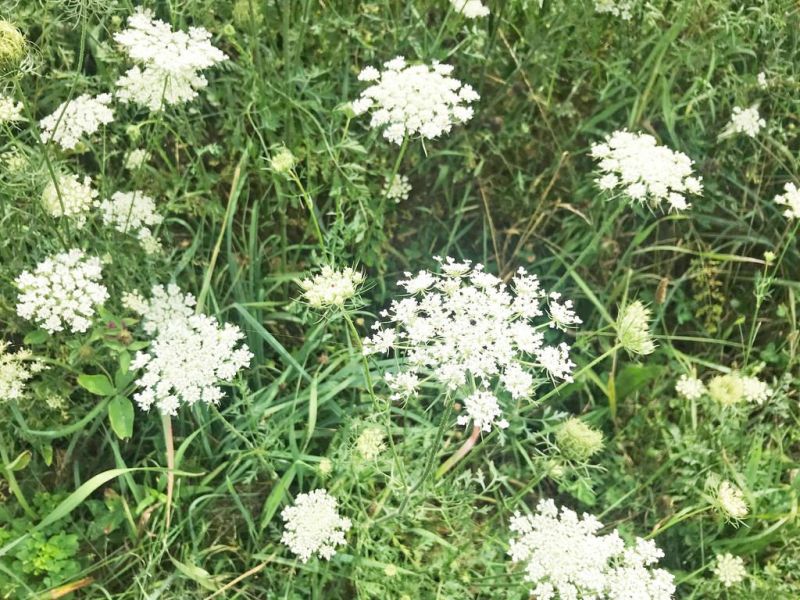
(99, 385)
(19, 463)
(120, 414)
(36, 337)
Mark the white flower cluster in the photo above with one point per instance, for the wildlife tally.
(10, 111)
(564, 558)
(637, 166)
(690, 388)
(136, 158)
(618, 8)
(16, 369)
(414, 99)
(471, 9)
(397, 189)
(69, 197)
(168, 63)
(727, 390)
(791, 200)
(483, 410)
(314, 526)
(746, 121)
(730, 569)
(189, 355)
(331, 288)
(63, 290)
(730, 500)
(465, 326)
(133, 212)
(72, 119)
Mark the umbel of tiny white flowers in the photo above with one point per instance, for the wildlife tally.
(62, 291)
(10, 111)
(564, 557)
(730, 569)
(791, 200)
(16, 369)
(645, 172)
(68, 196)
(730, 501)
(168, 63)
(633, 329)
(74, 118)
(133, 212)
(734, 388)
(414, 100)
(746, 121)
(314, 526)
(471, 9)
(617, 8)
(331, 288)
(465, 329)
(189, 355)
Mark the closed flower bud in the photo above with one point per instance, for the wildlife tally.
(577, 441)
(246, 12)
(12, 46)
(633, 329)
(282, 161)
(325, 466)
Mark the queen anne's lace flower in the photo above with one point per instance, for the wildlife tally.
(189, 356)
(791, 200)
(633, 329)
(314, 526)
(565, 558)
(136, 158)
(76, 117)
(735, 388)
(618, 8)
(730, 501)
(465, 328)
(168, 63)
(398, 189)
(746, 121)
(69, 197)
(331, 288)
(690, 388)
(370, 443)
(730, 569)
(413, 100)
(635, 165)
(132, 212)
(10, 111)
(471, 9)
(16, 369)
(482, 409)
(62, 291)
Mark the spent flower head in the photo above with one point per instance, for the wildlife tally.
(69, 197)
(13, 47)
(62, 291)
(74, 118)
(791, 200)
(565, 557)
(729, 569)
(414, 100)
(314, 526)
(633, 329)
(331, 288)
(469, 331)
(370, 443)
(635, 165)
(577, 441)
(282, 160)
(168, 63)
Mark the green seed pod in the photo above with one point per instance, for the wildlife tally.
(577, 441)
